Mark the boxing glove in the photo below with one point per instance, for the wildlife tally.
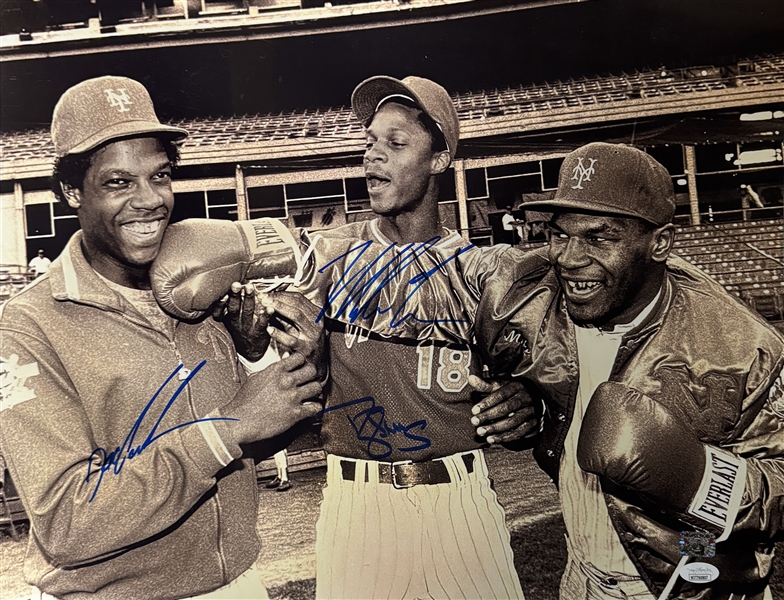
(199, 259)
(636, 443)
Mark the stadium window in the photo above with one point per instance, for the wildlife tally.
(222, 204)
(357, 198)
(523, 168)
(476, 183)
(669, 156)
(266, 201)
(222, 7)
(39, 221)
(62, 210)
(507, 191)
(550, 169)
(447, 192)
(314, 189)
(189, 205)
(113, 12)
(714, 158)
(315, 194)
(221, 198)
(720, 196)
(65, 221)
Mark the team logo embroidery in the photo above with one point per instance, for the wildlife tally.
(208, 336)
(580, 173)
(119, 99)
(709, 402)
(13, 377)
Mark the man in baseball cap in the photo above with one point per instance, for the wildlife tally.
(655, 389)
(431, 98)
(143, 492)
(408, 509)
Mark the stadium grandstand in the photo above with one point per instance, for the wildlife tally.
(718, 130)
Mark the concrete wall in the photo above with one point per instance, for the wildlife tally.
(12, 232)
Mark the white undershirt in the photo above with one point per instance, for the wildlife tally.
(592, 535)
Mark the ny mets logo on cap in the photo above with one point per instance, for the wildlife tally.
(580, 173)
(119, 99)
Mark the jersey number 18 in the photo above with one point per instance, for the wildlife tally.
(453, 368)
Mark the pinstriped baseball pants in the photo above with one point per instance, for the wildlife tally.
(446, 540)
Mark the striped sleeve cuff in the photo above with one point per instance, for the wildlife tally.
(214, 440)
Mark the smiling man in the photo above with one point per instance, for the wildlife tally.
(122, 427)
(664, 394)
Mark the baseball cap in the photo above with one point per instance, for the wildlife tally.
(428, 95)
(105, 108)
(613, 179)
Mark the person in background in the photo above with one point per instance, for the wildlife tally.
(40, 264)
(512, 231)
(281, 483)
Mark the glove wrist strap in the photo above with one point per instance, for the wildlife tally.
(718, 498)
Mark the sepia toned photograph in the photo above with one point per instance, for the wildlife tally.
(401, 299)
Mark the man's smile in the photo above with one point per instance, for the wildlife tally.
(143, 231)
(581, 290)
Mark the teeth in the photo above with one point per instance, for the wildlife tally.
(583, 286)
(140, 227)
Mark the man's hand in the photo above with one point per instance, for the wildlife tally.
(506, 414)
(245, 319)
(272, 401)
(293, 326)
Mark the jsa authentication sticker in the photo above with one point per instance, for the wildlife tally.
(699, 572)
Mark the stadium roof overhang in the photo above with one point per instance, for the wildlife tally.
(255, 25)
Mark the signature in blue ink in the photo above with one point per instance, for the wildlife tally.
(362, 289)
(371, 426)
(115, 460)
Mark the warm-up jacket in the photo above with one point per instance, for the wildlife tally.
(175, 512)
(703, 355)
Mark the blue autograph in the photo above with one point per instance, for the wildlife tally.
(370, 425)
(362, 289)
(115, 460)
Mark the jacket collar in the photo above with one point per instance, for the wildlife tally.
(654, 319)
(72, 278)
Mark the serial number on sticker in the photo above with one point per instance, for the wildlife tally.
(699, 572)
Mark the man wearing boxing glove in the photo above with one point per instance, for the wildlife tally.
(404, 456)
(664, 393)
(123, 428)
